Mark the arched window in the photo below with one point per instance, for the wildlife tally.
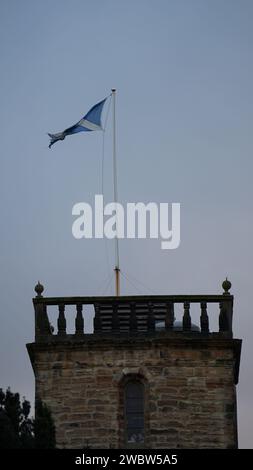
(134, 411)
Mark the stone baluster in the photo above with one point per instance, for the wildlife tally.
(61, 322)
(186, 317)
(79, 323)
(204, 320)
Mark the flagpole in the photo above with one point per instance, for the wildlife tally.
(115, 187)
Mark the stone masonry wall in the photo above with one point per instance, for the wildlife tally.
(190, 398)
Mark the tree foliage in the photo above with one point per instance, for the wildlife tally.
(44, 429)
(18, 430)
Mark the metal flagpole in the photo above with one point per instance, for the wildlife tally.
(115, 186)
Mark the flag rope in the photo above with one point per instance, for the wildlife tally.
(102, 175)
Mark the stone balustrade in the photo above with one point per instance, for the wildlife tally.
(129, 315)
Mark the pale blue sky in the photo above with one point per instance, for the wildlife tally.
(183, 70)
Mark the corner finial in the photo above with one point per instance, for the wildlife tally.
(39, 288)
(226, 286)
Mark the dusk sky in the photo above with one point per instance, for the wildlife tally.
(183, 71)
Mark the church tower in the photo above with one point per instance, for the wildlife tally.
(141, 379)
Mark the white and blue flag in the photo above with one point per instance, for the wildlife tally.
(90, 122)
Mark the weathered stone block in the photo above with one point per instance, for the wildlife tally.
(190, 399)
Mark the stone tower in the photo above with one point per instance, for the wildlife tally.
(140, 379)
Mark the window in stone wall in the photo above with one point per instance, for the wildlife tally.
(134, 411)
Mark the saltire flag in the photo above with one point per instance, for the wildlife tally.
(90, 122)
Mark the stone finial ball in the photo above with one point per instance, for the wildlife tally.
(226, 285)
(39, 288)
